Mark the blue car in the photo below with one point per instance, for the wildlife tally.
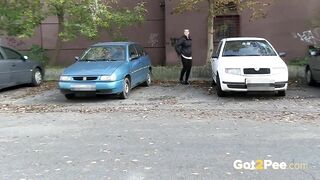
(107, 68)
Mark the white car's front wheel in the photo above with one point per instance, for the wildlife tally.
(220, 92)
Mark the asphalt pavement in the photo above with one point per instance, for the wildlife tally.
(166, 131)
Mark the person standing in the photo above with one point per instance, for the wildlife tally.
(184, 46)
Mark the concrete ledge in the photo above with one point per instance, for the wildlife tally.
(296, 72)
(173, 73)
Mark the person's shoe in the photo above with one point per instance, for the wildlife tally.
(181, 81)
(186, 83)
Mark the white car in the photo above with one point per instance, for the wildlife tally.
(248, 64)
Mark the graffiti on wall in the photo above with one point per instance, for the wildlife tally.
(310, 36)
(153, 39)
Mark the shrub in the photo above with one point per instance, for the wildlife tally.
(37, 53)
(300, 61)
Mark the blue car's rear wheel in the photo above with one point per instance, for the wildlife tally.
(126, 88)
(148, 80)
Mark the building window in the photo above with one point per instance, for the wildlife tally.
(226, 26)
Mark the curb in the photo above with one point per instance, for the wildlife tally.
(164, 73)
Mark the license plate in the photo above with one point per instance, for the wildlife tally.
(260, 84)
(83, 87)
(259, 81)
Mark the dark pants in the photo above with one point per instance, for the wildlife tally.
(186, 68)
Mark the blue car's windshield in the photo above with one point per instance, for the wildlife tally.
(104, 53)
(248, 48)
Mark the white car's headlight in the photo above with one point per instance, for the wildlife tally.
(234, 71)
(65, 78)
(279, 70)
(108, 78)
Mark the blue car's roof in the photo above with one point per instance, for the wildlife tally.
(113, 43)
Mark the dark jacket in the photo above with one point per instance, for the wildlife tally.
(185, 46)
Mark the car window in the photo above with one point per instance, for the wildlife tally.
(132, 51)
(1, 57)
(248, 48)
(11, 54)
(104, 53)
(140, 50)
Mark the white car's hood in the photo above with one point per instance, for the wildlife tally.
(252, 62)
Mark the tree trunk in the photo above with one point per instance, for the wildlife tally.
(58, 47)
(210, 30)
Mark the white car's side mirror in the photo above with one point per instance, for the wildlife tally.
(282, 54)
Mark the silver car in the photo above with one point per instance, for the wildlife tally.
(16, 69)
(313, 68)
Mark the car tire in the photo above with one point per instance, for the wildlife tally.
(126, 88)
(37, 77)
(213, 83)
(70, 96)
(220, 92)
(309, 78)
(147, 83)
(281, 93)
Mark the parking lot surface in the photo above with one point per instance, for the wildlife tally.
(166, 131)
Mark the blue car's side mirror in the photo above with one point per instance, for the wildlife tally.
(77, 58)
(133, 57)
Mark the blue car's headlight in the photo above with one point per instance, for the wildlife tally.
(65, 78)
(108, 78)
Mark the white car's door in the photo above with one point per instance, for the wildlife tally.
(215, 61)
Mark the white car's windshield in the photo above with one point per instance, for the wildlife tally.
(104, 53)
(248, 48)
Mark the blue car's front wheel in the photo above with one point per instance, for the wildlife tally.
(69, 96)
(126, 88)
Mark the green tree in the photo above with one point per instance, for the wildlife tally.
(220, 7)
(88, 17)
(20, 17)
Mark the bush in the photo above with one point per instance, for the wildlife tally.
(37, 53)
(300, 61)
